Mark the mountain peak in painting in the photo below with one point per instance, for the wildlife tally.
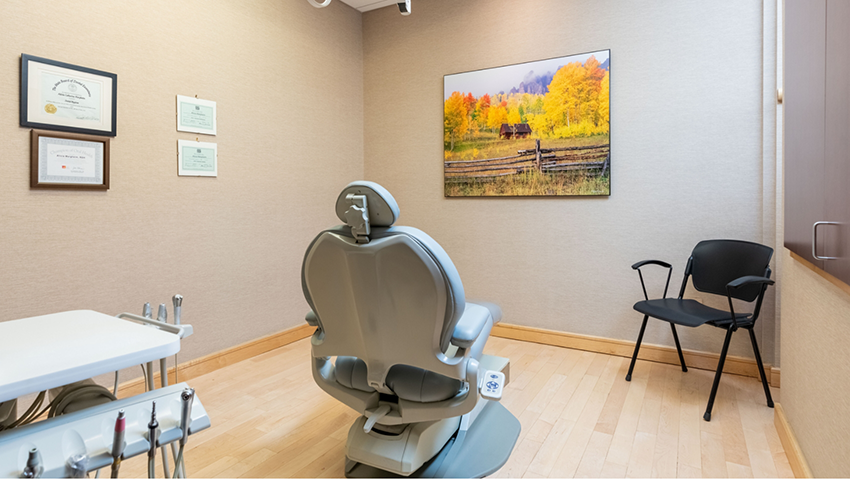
(534, 84)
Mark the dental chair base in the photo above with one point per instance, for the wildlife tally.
(449, 447)
(470, 452)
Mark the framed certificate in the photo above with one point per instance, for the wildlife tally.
(197, 158)
(69, 160)
(195, 115)
(64, 97)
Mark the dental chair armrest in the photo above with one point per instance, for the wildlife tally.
(312, 319)
(495, 310)
(469, 327)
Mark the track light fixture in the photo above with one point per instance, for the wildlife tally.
(403, 7)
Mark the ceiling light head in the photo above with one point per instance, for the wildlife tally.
(404, 7)
(322, 4)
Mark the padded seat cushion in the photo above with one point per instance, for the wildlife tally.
(407, 382)
(686, 312)
(351, 373)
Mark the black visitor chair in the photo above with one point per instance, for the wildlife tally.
(731, 268)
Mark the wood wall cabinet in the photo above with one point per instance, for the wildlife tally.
(817, 133)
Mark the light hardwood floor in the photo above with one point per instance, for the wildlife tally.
(579, 416)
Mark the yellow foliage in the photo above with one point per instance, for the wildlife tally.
(496, 116)
(455, 120)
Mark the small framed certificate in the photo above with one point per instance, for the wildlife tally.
(69, 160)
(197, 158)
(195, 115)
(63, 97)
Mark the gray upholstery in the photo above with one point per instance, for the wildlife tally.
(351, 373)
(407, 382)
(470, 325)
(415, 384)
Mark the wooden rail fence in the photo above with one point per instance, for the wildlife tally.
(544, 160)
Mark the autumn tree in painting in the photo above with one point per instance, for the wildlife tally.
(456, 121)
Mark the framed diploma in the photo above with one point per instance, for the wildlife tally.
(64, 97)
(69, 160)
(195, 115)
(197, 158)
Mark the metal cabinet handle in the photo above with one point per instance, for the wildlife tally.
(815, 239)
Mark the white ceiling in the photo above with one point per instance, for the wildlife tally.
(366, 5)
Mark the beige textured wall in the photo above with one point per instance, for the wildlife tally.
(687, 152)
(816, 366)
(288, 79)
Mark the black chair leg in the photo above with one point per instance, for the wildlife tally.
(719, 372)
(679, 348)
(637, 348)
(761, 369)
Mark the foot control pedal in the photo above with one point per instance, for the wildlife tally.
(493, 384)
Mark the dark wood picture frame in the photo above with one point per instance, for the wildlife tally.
(26, 121)
(35, 176)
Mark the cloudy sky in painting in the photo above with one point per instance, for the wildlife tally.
(495, 80)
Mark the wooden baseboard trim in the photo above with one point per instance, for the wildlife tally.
(211, 362)
(789, 443)
(649, 352)
(774, 377)
(823, 274)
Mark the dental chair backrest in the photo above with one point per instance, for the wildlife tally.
(387, 295)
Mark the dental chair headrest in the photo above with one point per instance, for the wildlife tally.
(380, 209)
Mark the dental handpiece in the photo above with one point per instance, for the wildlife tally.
(153, 432)
(146, 311)
(118, 443)
(162, 313)
(187, 398)
(34, 467)
(152, 437)
(177, 301)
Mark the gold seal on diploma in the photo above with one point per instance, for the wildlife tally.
(50, 108)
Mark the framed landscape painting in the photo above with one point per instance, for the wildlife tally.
(532, 129)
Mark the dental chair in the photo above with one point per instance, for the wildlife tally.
(388, 304)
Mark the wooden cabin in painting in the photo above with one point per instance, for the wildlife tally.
(517, 130)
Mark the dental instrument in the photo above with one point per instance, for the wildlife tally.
(118, 443)
(153, 434)
(187, 397)
(34, 467)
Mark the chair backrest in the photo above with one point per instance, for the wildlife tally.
(393, 297)
(714, 263)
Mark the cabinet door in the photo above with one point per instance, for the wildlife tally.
(837, 150)
(805, 65)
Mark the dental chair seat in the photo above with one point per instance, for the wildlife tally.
(407, 382)
(388, 304)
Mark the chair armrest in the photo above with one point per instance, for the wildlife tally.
(469, 326)
(745, 280)
(637, 266)
(650, 261)
(312, 319)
